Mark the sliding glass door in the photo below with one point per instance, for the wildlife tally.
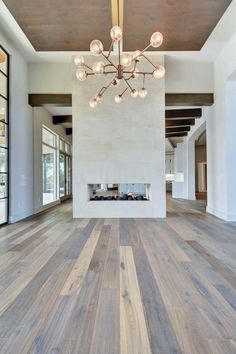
(65, 170)
(4, 144)
(49, 164)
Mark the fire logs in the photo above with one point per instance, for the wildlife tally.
(124, 197)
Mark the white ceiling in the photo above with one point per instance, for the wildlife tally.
(222, 33)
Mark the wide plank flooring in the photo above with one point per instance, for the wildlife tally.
(119, 286)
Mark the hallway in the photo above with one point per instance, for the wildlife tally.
(110, 286)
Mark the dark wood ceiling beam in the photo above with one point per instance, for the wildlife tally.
(173, 135)
(62, 119)
(189, 99)
(177, 129)
(42, 99)
(183, 113)
(69, 131)
(179, 123)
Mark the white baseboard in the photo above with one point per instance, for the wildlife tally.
(20, 215)
(221, 214)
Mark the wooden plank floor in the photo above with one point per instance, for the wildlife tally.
(119, 286)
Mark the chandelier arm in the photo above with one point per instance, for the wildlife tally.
(149, 61)
(142, 51)
(110, 72)
(124, 91)
(129, 86)
(144, 77)
(104, 88)
(109, 60)
(88, 67)
(110, 49)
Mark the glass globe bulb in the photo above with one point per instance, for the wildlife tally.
(137, 55)
(116, 82)
(118, 98)
(98, 67)
(134, 93)
(159, 72)
(116, 33)
(96, 47)
(156, 39)
(79, 60)
(126, 60)
(143, 93)
(93, 103)
(99, 98)
(81, 74)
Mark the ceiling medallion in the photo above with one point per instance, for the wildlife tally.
(119, 72)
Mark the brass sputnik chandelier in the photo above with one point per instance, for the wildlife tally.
(119, 72)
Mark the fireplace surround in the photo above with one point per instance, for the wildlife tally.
(122, 146)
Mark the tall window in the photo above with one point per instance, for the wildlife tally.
(49, 163)
(4, 119)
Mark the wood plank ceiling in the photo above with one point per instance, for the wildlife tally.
(59, 25)
(185, 24)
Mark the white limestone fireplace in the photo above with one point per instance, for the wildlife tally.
(122, 142)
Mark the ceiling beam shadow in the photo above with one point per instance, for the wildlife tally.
(179, 123)
(189, 99)
(177, 129)
(183, 113)
(69, 131)
(56, 100)
(173, 135)
(62, 119)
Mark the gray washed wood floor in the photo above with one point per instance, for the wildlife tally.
(119, 286)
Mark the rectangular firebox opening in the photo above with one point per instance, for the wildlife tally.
(119, 192)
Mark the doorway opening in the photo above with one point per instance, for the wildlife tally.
(201, 166)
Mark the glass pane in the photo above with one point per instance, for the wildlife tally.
(62, 145)
(3, 134)
(67, 146)
(3, 185)
(68, 176)
(49, 138)
(49, 174)
(3, 160)
(3, 61)
(3, 210)
(3, 109)
(62, 175)
(3, 85)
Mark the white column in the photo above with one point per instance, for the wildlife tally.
(185, 164)
(221, 139)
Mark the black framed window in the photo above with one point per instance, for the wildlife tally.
(4, 136)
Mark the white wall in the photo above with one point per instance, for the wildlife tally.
(118, 143)
(188, 76)
(57, 78)
(42, 117)
(181, 76)
(221, 137)
(21, 136)
(184, 157)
